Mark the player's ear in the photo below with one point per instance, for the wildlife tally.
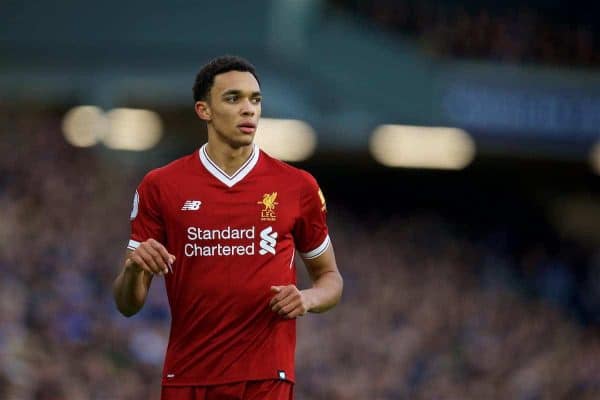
(203, 110)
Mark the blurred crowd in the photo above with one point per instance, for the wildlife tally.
(558, 34)
(427, 313)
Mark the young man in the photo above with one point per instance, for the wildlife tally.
(222, 226)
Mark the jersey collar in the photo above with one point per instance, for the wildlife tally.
(217, 172)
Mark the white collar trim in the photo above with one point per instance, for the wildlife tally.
(217, 172)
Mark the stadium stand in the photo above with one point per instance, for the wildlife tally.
(515, 32)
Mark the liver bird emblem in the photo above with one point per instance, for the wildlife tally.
(269, 203)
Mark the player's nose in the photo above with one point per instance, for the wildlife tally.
(248, 108)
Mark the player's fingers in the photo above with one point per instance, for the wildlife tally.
(161, 250)
(295, 313)
(291, 315)
(139, 261)
(288, 308)
(279, 305)
(283, 293)
(285, 305)
(290, 291)
(280, 295)
(143, 252)
(274, 299)
(288, 295)
(276, 289)
(159, 258)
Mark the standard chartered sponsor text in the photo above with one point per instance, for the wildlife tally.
(194, 250)
(243, 236)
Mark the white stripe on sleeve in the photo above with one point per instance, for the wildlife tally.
(317, 251)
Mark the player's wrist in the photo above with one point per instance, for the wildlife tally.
(309, 299)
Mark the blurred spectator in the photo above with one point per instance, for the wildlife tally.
(515, 33)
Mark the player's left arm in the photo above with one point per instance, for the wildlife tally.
(325, 293)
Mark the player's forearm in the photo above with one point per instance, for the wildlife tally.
(130, 291)
(325, 293)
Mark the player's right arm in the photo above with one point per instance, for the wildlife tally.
(147, 255)
(131, 286)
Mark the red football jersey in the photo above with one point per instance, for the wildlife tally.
(234, 237)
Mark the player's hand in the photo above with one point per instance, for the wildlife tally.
(152, 257)
(289, 302)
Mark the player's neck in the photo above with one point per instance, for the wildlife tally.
(229, 159)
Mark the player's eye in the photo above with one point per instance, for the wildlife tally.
(231, 98)
(256, 100)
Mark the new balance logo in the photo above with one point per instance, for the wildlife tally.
(191, 205)
(268, 241)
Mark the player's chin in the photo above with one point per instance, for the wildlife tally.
(243, 140)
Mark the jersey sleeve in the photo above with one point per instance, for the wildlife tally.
(146, 220)
(310, 231)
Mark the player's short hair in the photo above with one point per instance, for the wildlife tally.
(220, 65)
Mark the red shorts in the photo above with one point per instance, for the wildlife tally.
(250, 390)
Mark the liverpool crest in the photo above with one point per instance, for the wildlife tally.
(268, 202)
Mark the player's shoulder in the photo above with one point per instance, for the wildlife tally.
(168, 171)
(289, 172)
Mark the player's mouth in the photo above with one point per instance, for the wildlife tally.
(247, 127)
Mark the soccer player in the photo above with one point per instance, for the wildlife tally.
(222, 226)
